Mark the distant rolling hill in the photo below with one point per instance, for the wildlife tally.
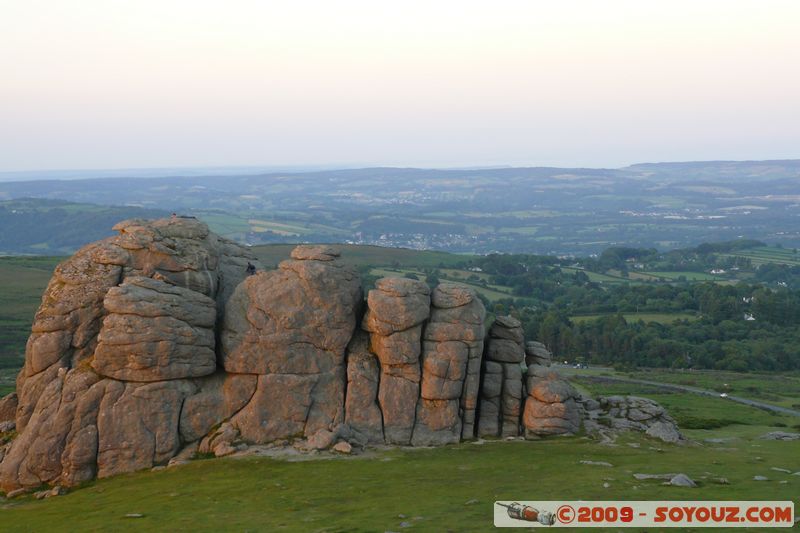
(555, 211)
(54, 227)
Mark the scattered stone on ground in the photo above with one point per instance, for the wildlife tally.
(343, 447)
(595, 463)
(682, 480)
(780, 435)
(642, 477)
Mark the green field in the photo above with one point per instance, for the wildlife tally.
(22, 281)
(689, 276)
(778, 389)
(768, 254)
(661, 318)
(597, 277)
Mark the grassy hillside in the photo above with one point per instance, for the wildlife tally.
(22, 281)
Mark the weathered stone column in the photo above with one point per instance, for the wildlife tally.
(501, 395)
(396, 311)
(451, 354)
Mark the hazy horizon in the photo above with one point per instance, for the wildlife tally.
(163, 84)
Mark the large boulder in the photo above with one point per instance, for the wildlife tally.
(608, 415)
(551, 407)
(291, 326)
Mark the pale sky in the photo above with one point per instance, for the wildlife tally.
(160, 83)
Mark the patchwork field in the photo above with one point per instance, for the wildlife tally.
(763, 255)
(660, 318)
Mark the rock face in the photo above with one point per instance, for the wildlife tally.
(362, 412)
(551, 407)
(501, 395)
(291, 327)
(155, 331)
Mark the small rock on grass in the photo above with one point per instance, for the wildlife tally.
(134, 515)
(471, 502)
(760, 478)
(682, 480)
(15, 493)
(596, 463)
(784, 470)
(55, 491)
(642, 477)
(343, 447)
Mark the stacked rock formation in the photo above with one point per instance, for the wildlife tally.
(155, 344)
(451, 361)
(427, 378)
(501, 393)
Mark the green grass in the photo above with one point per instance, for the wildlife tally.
(778, 389)
(597, 277)
(764, 254)
(661, 318)
(690, 276)
(22, 281)
(428, 488)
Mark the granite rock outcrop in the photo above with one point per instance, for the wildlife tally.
(160, 342)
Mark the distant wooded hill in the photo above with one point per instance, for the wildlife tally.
(553, 211)
(53, 227)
